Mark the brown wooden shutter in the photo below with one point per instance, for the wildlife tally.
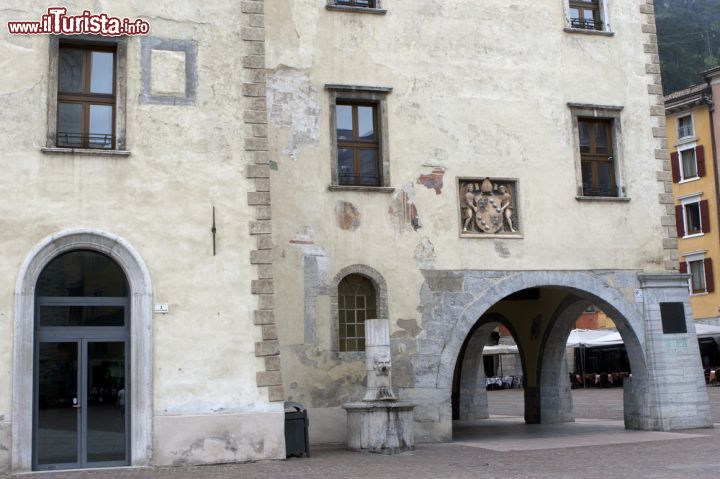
(709, 277)
(705, 216)
(700, 159)
(679, 223)
(675, 165)
(683, 267)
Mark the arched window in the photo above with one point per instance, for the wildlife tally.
(356, 303)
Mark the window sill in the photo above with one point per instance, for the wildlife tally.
(491, 236)
(350, 355)
(602, 33)
(695, 235)
(689, 180)
(370, 189)
(85, 152)
(685, 140)
(346, 8)
(701, 293)
(604, 199)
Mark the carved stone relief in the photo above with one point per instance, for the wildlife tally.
(488, 207)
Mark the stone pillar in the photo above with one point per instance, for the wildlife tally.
(675, 392)
(378, 361)
(473, 403)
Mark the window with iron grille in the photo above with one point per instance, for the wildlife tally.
(86, 96)
(356, 303)
(585, 14)
(358, 144)
(596, 153)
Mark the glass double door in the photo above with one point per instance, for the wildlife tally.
(81, 400)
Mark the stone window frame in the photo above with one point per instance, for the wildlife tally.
(601, 112)
(338, 7)
(369, 94)
(604, 17)
(120, 45)
(381, 297)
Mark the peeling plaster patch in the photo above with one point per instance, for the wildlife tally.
(402, 210)
(433, 181)
(409, 328)
(425, 254)
(315, 266)
(502, 250)
(293, 104)
(348, 216)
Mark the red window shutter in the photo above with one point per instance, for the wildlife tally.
(683, 267)
(709, 278)
(679, 222)
(705, 216)
(675, 165)
(700, 159)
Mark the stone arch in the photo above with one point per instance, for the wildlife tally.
(378, 282)
(552, 373)
(141, 345)
(582, 283)
(472, 393)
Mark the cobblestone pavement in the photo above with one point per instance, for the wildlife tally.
(694, 457)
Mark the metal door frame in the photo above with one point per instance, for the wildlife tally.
(81, 335)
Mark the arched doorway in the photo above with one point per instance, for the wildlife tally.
(81, 373)
(138, 349)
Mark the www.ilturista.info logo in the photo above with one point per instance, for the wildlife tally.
(58, 22)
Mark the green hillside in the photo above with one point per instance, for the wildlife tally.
(689, 40)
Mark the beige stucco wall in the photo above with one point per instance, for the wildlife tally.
(184, 160)
(480, 90)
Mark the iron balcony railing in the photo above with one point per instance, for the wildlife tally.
(76, 140)
(586, 24)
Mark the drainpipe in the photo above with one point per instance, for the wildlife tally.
(709, 101)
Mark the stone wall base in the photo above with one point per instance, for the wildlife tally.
(5, 445)
(193, 440)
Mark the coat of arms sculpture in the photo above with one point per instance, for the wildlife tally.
(487, 207)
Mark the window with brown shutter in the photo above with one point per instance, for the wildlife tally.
(675, 166)
(704, 207)
(700, 159)
(709, 276)
(679, 221)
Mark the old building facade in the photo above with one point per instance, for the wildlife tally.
(428, 164)
(693, 136)
(137, 313)
(443, 166)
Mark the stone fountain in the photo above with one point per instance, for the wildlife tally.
(379, 423)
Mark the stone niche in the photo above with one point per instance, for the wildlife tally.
(488, 207)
